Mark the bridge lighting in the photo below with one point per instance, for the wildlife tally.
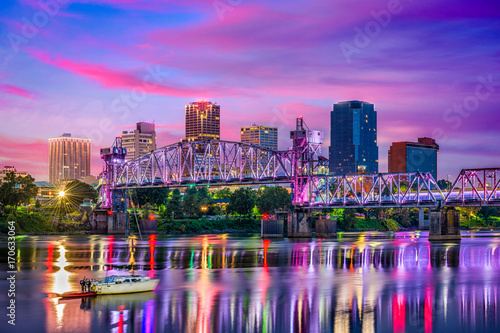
(151, 217)
(265, 217)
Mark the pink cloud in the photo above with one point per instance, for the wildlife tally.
(25, 154)
(110, 78)
(16, 91)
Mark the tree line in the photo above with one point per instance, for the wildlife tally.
(199, 201)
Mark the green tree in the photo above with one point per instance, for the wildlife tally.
(173, 207)
(401, 216)
(241, 202)
(348, 220)
(77, 191)
(487, 212)
(17, 190)
(154, 196)
(273, 198)
(468, 212)
(191, 205)
(444, 185)
(224, 193)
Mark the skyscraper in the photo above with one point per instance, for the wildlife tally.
(139, 141)
(414, 156)
(202, 121)
(353, 138)
(261, 136)
(69, 158)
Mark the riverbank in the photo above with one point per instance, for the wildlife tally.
(37, 223)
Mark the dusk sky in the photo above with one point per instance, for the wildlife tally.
(95, 68)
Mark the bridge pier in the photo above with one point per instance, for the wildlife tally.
(326, 228)
(272, 228)
(110, 222)
(445, 225)
(424, 223)
(299, 225)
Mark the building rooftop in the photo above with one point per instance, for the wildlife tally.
(43, 183)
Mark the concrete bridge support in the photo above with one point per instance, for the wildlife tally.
(272, 228)
(109, 222)
(299, 225)
(424, 223)
(445, 225)
(326, 228)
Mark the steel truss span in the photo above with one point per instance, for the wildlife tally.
(371, 190)
(473, 187)
(221, 163)
(204, 162)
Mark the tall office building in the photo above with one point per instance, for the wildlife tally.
(414, 156)
(139, 141)
(261, 136)
(69, 158)
(353, 138)
(202, 121)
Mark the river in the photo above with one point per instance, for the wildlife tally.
(360, 282)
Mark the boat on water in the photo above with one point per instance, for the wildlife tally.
(72, 294)
(115, 284)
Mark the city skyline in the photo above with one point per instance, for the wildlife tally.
(425, 78)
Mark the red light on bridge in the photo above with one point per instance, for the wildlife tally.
(151, 217)
(110, 212)
(265, 217)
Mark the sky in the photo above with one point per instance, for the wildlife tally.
(95, 68)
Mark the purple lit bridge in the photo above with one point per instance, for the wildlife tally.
(222, 163)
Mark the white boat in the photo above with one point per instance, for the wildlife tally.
(124, 284)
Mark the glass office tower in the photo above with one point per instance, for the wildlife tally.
(353, 138)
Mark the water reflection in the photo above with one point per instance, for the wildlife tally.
(364, 283)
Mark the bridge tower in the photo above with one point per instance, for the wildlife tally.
(111, 215)
(305, 160)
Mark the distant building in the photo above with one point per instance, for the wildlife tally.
(261, 136)
(69, 158)
(353, 138)
(202, 121)
(46, 191)
(7, 169)
(140, 141)
(414, 156)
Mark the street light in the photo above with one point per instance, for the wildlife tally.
(62, 194)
